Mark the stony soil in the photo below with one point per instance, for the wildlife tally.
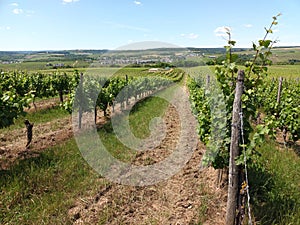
(189, 196)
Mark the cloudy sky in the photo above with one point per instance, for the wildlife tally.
(110, 24)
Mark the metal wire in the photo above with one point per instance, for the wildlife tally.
(246, 171)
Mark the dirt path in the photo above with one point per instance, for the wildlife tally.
(43, 104)
(188, 197)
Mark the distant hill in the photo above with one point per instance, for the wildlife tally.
(83, 57)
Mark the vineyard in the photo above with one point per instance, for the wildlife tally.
(279, 109)
(19, 88)
(50, 180)
(114, 93)
(238, 110)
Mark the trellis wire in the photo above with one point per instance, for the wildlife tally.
(246, 171)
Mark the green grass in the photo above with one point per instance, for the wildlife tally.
(287, 71)
(279, 55)
(275, 186)
(114, 145)
(205, 199)
(284, 55)
(142, 114)
(139, 120)
(41, 190)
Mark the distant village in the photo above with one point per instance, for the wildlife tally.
(72, 58)
(118, 60)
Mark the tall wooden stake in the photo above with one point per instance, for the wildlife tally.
(207, 81)
(279, 90)
(80, 100)
(233, 186)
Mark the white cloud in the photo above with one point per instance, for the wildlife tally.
(69, 1)
(14, 4)
(222, 31)
(137, 2)
(18, 11)
(5, 28)
(248, 25)
(190, 36)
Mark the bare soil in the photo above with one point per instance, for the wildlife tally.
(190, 196)
(45, 135)
(43, 104)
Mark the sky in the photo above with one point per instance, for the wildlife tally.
(110, 24)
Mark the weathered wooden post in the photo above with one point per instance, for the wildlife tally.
(80, 100)
(284, 132)
(29, 127)
(233, 185)
(95, 114)
(279, 90)
(207, 81)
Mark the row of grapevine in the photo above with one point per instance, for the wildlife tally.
(211, 109)
(100, 92)
(283, 115)
(253, 95)
(19, 88)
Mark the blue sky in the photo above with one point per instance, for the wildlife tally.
(109, 24)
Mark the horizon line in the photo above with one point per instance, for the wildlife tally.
(107, 49)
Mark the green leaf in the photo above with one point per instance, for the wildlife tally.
(265, 43)
(6, 98)
(232, 43)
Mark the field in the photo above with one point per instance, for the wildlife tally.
(287, 71)
(55, 182)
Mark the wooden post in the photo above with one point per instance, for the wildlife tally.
(207, 81)
(95, 114)
(61, 96)
(284, 132)
(279, 90)
(233, 185)
(29, 127)
(80, 100)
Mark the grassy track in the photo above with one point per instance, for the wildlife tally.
(275, 186)
(41, 190)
